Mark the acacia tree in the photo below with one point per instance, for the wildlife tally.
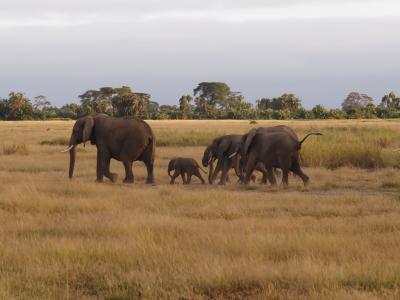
(211, 96)
(41, 103)
(127, 103)
(285, 106)
(18, 107)
(97, 101)
(185, 107)
(71, 111)
(391, 101)
(355, 102)
(120, 101)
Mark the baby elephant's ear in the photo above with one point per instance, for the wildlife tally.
(87, 128)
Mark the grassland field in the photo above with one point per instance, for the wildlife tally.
(338, 238)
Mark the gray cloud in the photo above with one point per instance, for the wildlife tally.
(25, 13)
(86, 47)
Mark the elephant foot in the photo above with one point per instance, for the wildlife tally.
(221, 183)
(113, 177)
(150, 180)
(129, 180)
(253, 178)
(99, 180)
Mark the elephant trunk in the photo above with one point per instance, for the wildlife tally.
(72, 155)
(211, 172)
(171, 167)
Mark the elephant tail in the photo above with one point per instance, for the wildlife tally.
(312, 133)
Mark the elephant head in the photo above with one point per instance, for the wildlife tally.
(208, 155)
(171, 166)
(81, 133)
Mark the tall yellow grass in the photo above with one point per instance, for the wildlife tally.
(76, 239)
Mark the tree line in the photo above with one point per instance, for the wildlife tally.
(210, 100)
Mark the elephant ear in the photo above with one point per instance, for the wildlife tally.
(248, 140)
(223, 147)
(88, 125)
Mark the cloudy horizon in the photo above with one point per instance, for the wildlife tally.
(318, 50)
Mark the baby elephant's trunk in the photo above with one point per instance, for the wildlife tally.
(198, 166)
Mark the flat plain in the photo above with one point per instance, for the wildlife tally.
(338, 238)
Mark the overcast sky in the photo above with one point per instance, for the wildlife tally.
(320, 50)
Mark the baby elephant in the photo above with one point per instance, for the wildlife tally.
(184, 167)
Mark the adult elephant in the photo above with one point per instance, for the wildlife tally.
(274, 149)
(224, 149)
(126, 140)
(241, 161)
(221, 149)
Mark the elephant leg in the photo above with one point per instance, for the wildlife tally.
(198, 175)
(150, 168)
(184, 177)
(210, 172)
(270, 175)
(106, 168)
(99, 168)
(189, 177)
(285, 177)
(264, 178)
(174, 176)
(285, 165)
(298, 171)
(216, 171)
(225, 168)
(129, 178)
(250, 167)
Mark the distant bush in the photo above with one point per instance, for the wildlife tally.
(56, 141)
(20, 149)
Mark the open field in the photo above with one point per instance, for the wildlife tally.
(339, 238)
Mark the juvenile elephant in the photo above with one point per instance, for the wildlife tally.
(274, 149)
(126, 140)
(184, 167)
(221, 149)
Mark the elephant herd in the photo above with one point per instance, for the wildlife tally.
(264, 149)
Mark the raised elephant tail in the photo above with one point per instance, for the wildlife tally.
(248, 140)
(312, 133)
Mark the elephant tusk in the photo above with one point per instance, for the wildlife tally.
(210, 160)
(67, 149)
(232, 155)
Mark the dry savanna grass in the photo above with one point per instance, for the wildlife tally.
(339, 238)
